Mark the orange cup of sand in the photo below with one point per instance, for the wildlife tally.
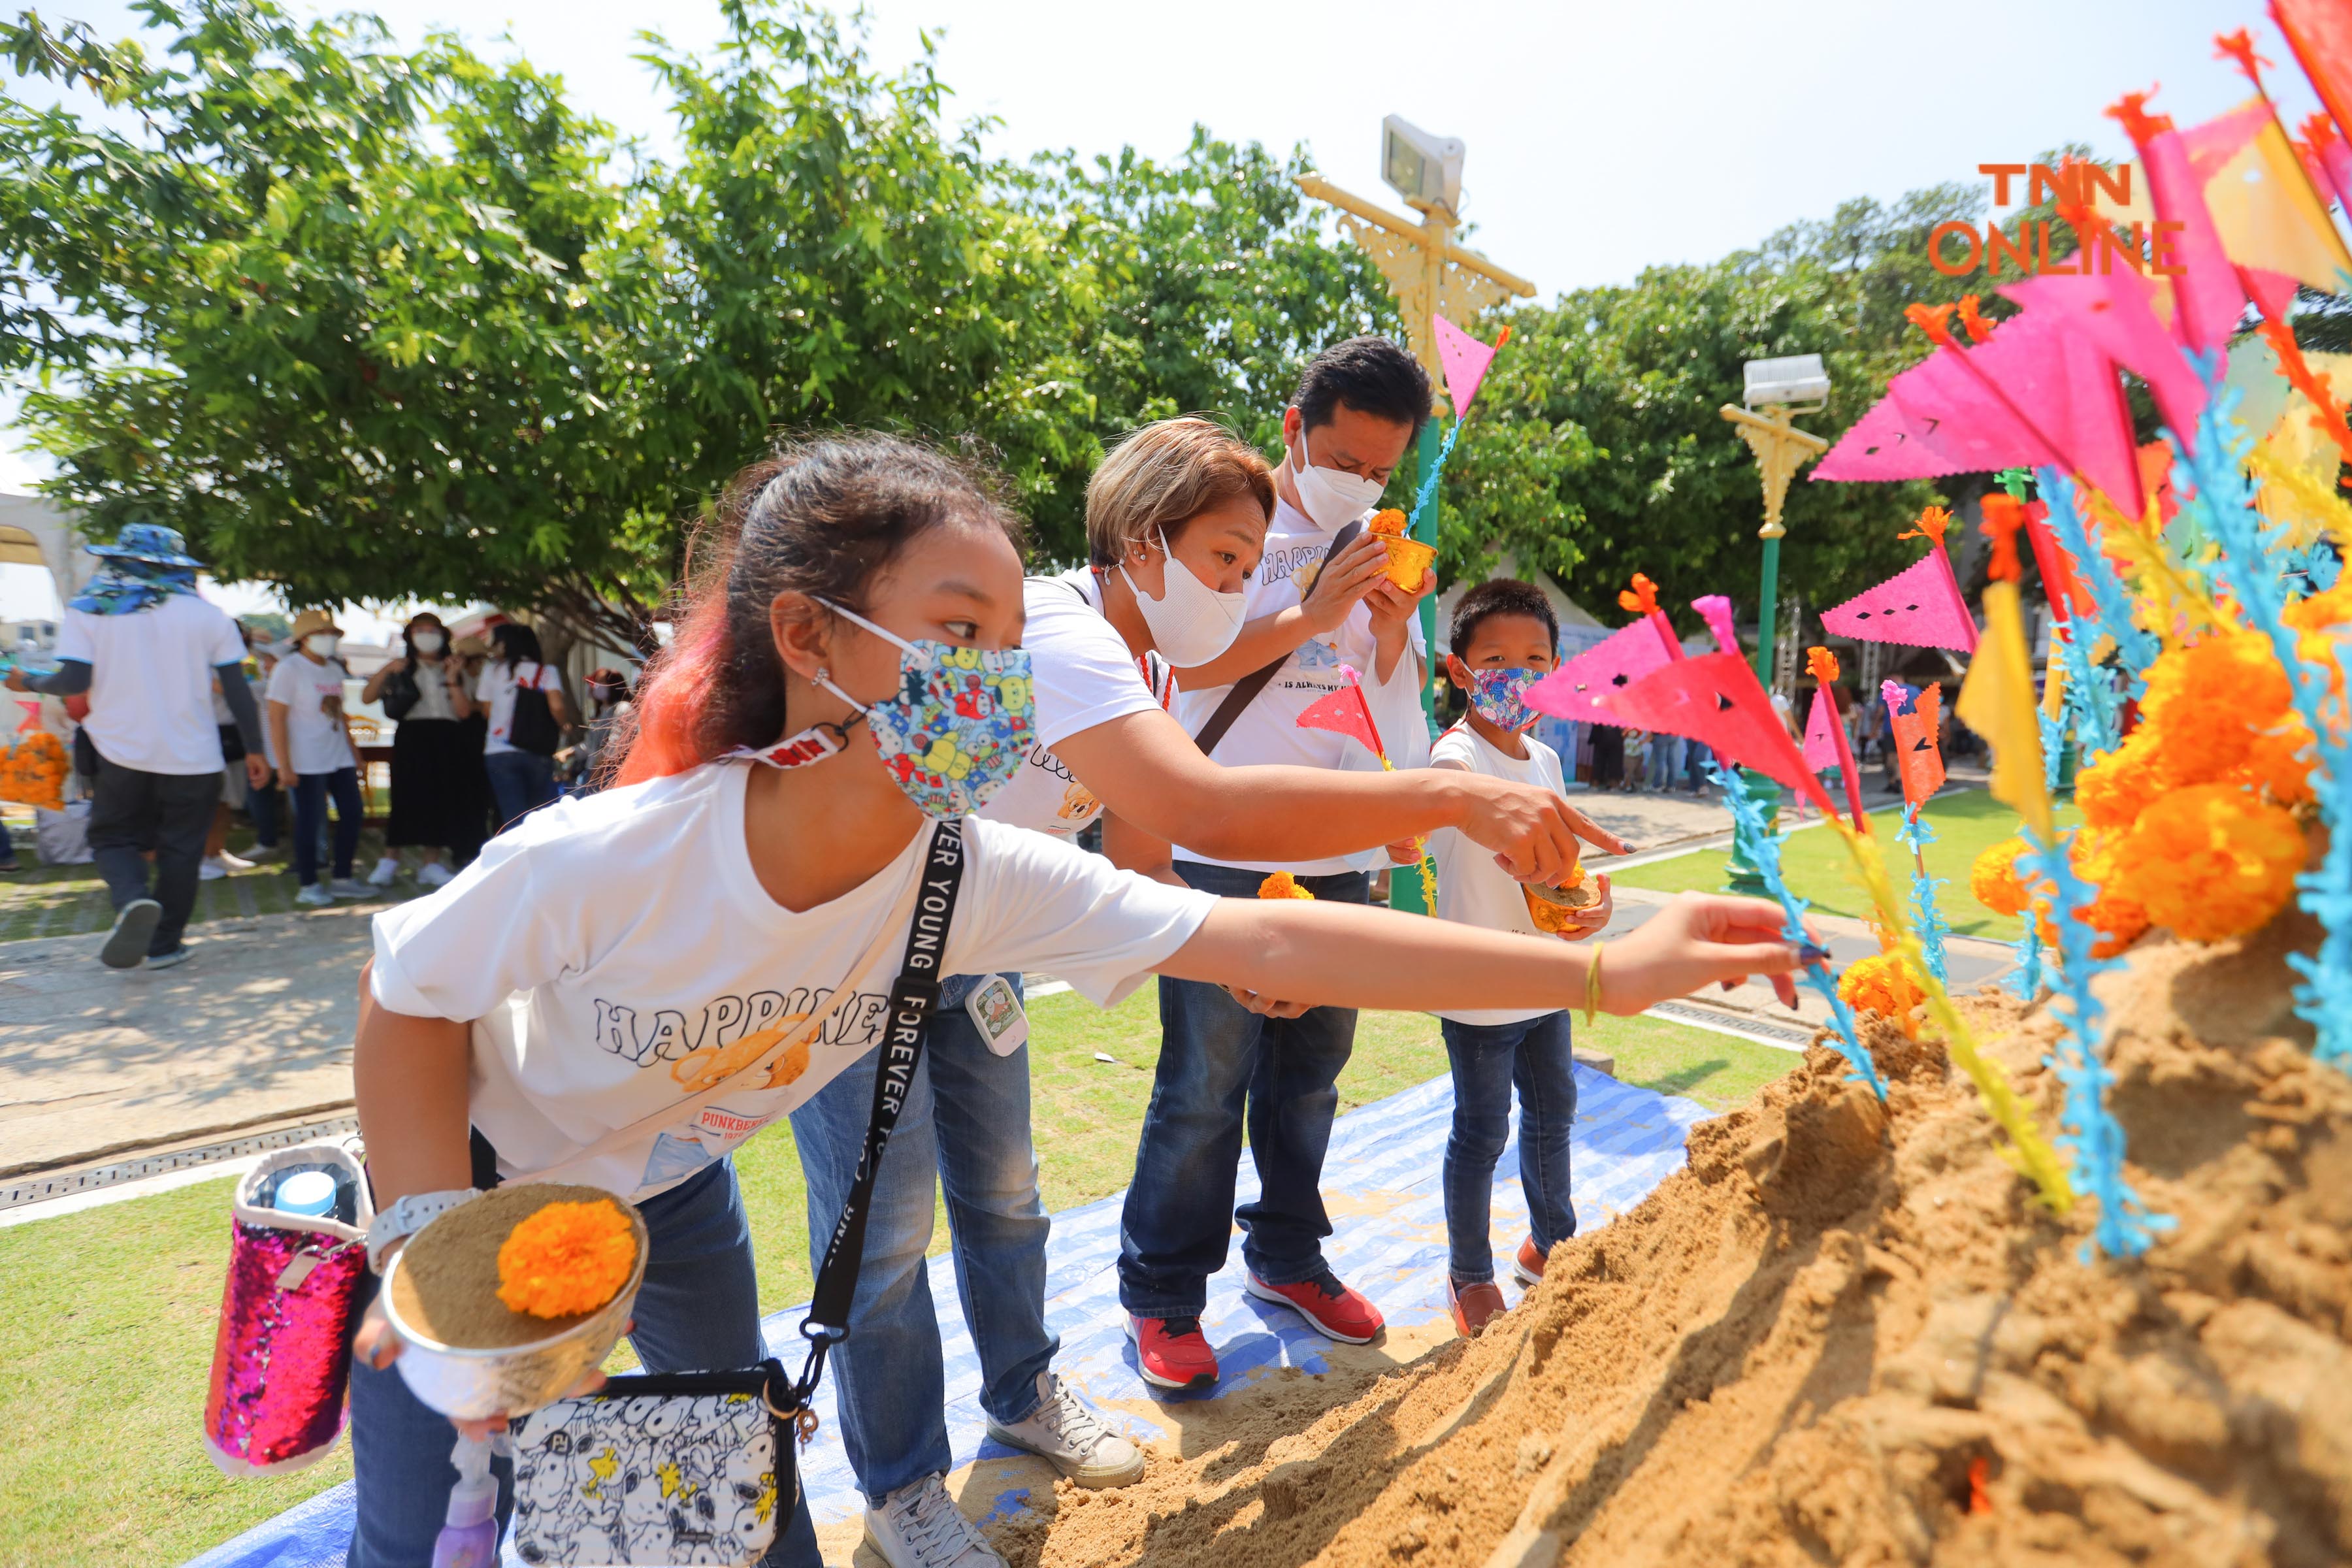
(1554, 909)
(1408, 558)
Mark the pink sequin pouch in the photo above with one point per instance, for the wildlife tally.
(282, 1357)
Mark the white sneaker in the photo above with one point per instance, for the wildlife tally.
(386, 870)
(1068, 1433)
(919, 1526)
(436, 875)
(228, 862)
(313, 896)
(345, 888)
(211, 871)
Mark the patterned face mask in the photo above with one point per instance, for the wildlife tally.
(1497, 693)
(959, 728)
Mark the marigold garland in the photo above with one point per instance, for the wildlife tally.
(567, 1258)
(2212, 862)
(1282, 885)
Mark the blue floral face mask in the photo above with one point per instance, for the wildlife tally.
(960, 726)
(1497, 693)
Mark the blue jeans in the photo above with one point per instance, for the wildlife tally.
(967, 1118)
(1666, 757)
(521, 782)
(699, 1310)
(310, 794)
(1487, 1060)
(1216, 1057)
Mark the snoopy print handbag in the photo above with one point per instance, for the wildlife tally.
(701, 1467)
(688, 1467)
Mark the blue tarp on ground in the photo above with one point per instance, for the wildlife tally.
(1382, 1177)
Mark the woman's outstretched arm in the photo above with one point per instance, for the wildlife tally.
(1348, 956)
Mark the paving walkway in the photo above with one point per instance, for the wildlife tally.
(255, 1028)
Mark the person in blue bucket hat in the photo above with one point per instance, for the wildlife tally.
(146, 650)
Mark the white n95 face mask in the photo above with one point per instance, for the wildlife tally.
(1332, 497)
(1191, 623)
(324, 644)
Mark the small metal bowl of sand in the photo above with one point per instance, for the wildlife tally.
(466, 1353)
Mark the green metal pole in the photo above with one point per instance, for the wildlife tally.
(1404, 881)
(1743, 875)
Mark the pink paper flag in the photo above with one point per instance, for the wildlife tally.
(1821, 733)
(2117, 310)
(1919, 606)
(1714, 698)
(1716, 611)
(2206, 292)
(1580, 688)
(1343, 713)
(1465, 360)
(1939, 417)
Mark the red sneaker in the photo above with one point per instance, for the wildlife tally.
(1173, 1352)
(1474, 1306)
(1528, 1265)
(1337, 1312)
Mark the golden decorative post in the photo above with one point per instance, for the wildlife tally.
(1780, 448)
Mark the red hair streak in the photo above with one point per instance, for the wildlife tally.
(674, 699)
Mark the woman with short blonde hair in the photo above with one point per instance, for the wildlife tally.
(1164, 475)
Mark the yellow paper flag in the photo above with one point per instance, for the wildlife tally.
(1997, 702)
(2267, 217)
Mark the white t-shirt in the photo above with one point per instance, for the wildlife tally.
(615, 954)
(1267, 730)
(495, 690)
(1470, 886)
(319, 742)
(151, 681)
(1084, 675)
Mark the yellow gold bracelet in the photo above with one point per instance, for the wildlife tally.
(1592, 984)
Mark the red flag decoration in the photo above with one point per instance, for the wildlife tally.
(1465, 360)
(1581, 688)
(1343, 713)
(1919, 606)
(1714, 699)
(2329, 158)
(2320, 34)
(2067, 596)
(1918, 738)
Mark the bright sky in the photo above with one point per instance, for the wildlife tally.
(1603, 137)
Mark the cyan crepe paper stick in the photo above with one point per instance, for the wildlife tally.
(2098, 574)
(1926, 919)
(2089, 701)
(2053, 743)
(1428, 491)
(2029, 980)
(2248, 565)
(2317, 565)
(2126, 1228)
(1766, 846)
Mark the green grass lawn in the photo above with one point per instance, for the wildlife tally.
(1967, 822)
(111, 1310)
(71, 901)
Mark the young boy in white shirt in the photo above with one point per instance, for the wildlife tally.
(1504, 639)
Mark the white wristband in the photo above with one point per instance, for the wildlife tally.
(408, 1215)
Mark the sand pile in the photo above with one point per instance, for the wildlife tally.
(1848, 1334)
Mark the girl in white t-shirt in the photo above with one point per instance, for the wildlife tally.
(846, 677)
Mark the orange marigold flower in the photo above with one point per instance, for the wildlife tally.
(1389, 523)
(2116, 788)
(2211, 862)
(1282, 885)
(2115, 913)
(2210, 699)
(1883, 984)
(1994, 879)
(567, 1258)
(2278, 764)
(2317, 612)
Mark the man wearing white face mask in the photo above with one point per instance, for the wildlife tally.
(315, 759)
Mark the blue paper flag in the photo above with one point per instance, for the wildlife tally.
(1766, 846)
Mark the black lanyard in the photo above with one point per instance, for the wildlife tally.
(914, 995)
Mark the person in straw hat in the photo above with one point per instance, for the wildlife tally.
(147, 650)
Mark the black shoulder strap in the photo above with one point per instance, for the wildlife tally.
(1243, 692)
(913, 997)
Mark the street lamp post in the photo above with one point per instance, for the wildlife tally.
(1429, 276)
(1776, 390)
